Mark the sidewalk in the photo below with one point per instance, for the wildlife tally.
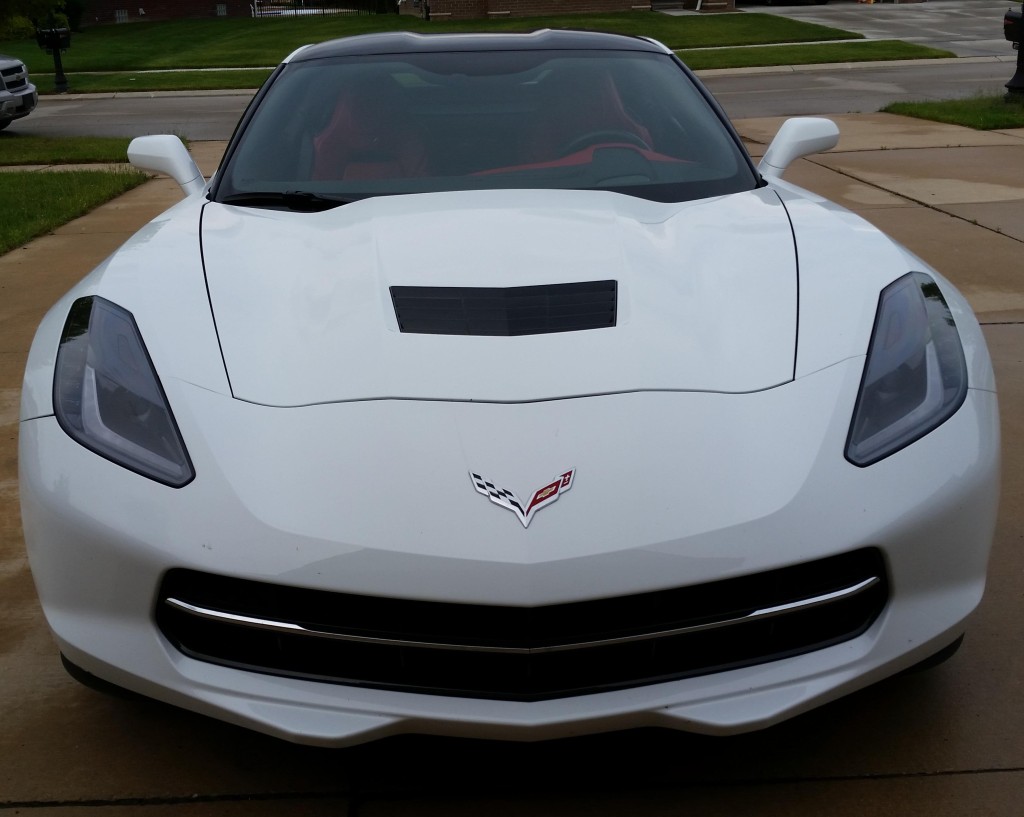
(945, 743)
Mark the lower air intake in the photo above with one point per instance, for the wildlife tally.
(522, 653)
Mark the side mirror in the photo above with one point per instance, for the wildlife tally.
(798, 137)
(166, 154)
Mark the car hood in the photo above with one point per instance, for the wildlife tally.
(706, 295)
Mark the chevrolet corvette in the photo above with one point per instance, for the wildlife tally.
(489, 388)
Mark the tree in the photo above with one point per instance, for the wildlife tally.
(33, 9)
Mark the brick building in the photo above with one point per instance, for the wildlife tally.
(478, 9)
(123, 11)
(475, 9)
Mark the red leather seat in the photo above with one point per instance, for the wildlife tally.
(370, 136)
(573, 108)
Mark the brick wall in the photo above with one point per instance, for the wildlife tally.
(470, 9)
(110, 11)
(534, 8)
(458, 9)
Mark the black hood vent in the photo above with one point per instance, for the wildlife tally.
(506, 311)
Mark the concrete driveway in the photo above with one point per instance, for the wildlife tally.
(968, 28)
(947, 742)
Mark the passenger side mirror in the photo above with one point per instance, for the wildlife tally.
(798, 137)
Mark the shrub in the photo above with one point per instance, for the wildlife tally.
(17, 28)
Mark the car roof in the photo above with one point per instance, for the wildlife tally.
(408, 42)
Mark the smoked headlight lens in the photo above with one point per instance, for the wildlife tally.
(915, 376)
(107, 397)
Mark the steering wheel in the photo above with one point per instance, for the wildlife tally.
(600, 137)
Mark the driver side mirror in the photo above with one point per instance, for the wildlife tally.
(166, 154)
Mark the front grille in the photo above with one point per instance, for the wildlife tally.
(522, 653)
(505, 311)
(14, 78)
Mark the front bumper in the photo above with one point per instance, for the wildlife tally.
(673, 490)
(15, 106)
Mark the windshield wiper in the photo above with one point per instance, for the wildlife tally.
(299, 200)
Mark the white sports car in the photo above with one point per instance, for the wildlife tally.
(490, 389)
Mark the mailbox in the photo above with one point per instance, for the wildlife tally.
(55, 41)
(1012, 26)
(51, 39)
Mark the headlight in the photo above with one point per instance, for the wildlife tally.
(107, 397)
(915, 376)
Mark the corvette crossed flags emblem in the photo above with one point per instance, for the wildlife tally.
(541, 498)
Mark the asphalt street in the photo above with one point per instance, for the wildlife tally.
(199, 117)
(854, 88)
(971, 29)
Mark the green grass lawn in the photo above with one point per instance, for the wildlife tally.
(980, 113)
(247, 42)
(863, 51)
(22, 149)
(32, 204)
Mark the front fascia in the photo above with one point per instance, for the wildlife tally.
(933, 531)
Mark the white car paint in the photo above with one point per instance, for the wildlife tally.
(331, 334)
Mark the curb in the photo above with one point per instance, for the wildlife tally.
(147, 94)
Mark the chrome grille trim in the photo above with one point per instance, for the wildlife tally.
(14, 78)
(297, 629)
(512, 653)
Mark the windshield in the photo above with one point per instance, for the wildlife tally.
(346, 128)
